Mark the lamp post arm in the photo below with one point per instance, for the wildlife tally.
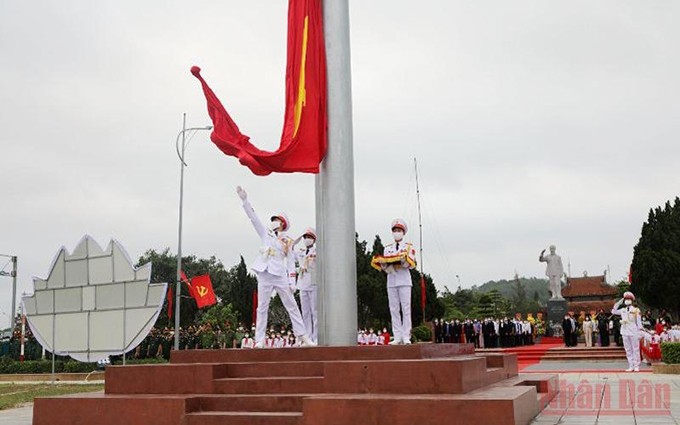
(180, 155)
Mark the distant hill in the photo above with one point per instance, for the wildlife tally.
(505, 287)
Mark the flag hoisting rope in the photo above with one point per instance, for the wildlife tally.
(304, 135)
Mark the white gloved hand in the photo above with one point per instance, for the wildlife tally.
(241, 193)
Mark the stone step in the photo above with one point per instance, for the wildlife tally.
(413, 351)
(515, 405)
(251, 403)
(269, 385)
(444, 376)
(243, 418)
(244, 370)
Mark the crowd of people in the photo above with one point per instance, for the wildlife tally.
(371, 337)
(486, 333)
(159, 342)
(604, 329)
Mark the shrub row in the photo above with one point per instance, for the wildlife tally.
(670, 352)
(9, 366)
(422, 333)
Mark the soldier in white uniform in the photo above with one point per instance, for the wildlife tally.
(399, 283)
(275, 269)
(631, 326)
(306, 258)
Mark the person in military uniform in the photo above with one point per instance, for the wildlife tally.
(306, 259)
(399, 281)
(275, 270)
(631, 327)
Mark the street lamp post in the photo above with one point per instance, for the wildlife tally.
(180, 154)
(13, 273)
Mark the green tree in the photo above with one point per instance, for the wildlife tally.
(239, 291)
(434, 306)
(519, 299)
(460, 304)
(656, 259)
(493, 304)
(372, 306)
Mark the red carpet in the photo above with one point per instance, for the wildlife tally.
(532, 354)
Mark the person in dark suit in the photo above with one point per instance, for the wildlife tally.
(446, 332)
(469, 331)
(603, 328)
(456, 332)
(437, 331)
(567, 330)
(487, 332)
(574, 331)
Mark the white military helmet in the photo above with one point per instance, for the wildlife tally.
(284, 220)
(400, 224)
(310, 232)
(628, 295)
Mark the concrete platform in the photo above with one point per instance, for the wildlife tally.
(420, 383)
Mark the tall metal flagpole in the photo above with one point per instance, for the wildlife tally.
(335, 190)
(182, 164)
(178, 284)
(420, 228)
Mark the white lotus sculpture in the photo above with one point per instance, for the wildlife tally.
(93, 304)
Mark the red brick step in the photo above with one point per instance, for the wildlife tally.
(243, 418)
(269, 385)
(251, 402)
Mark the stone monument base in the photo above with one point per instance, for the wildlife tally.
(557, 308)
(425, 384)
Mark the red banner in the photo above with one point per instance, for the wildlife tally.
(303, 140)
(203, 291)
(169, 297)
(423, 295)
(254, 307)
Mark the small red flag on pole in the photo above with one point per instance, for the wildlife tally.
(169, 298)
(254, 307)
(423, 295)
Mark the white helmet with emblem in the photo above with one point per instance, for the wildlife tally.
(284, 220)
(399, 224)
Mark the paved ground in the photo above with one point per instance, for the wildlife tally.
(614, 397)
(583, 365)
(19, 416)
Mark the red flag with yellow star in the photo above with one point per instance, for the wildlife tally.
(303, 140)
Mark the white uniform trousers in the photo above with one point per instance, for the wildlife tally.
(400, 296)
(632, 346)
(308, 301)
(266, 283)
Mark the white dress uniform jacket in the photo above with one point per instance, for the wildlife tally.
(398, 274)
(631, 319)
(307, 261)
(276, 254)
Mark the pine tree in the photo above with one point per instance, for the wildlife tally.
(656, 259)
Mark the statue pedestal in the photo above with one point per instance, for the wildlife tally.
(556, 310)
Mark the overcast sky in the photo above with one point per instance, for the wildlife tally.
(533, 123)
